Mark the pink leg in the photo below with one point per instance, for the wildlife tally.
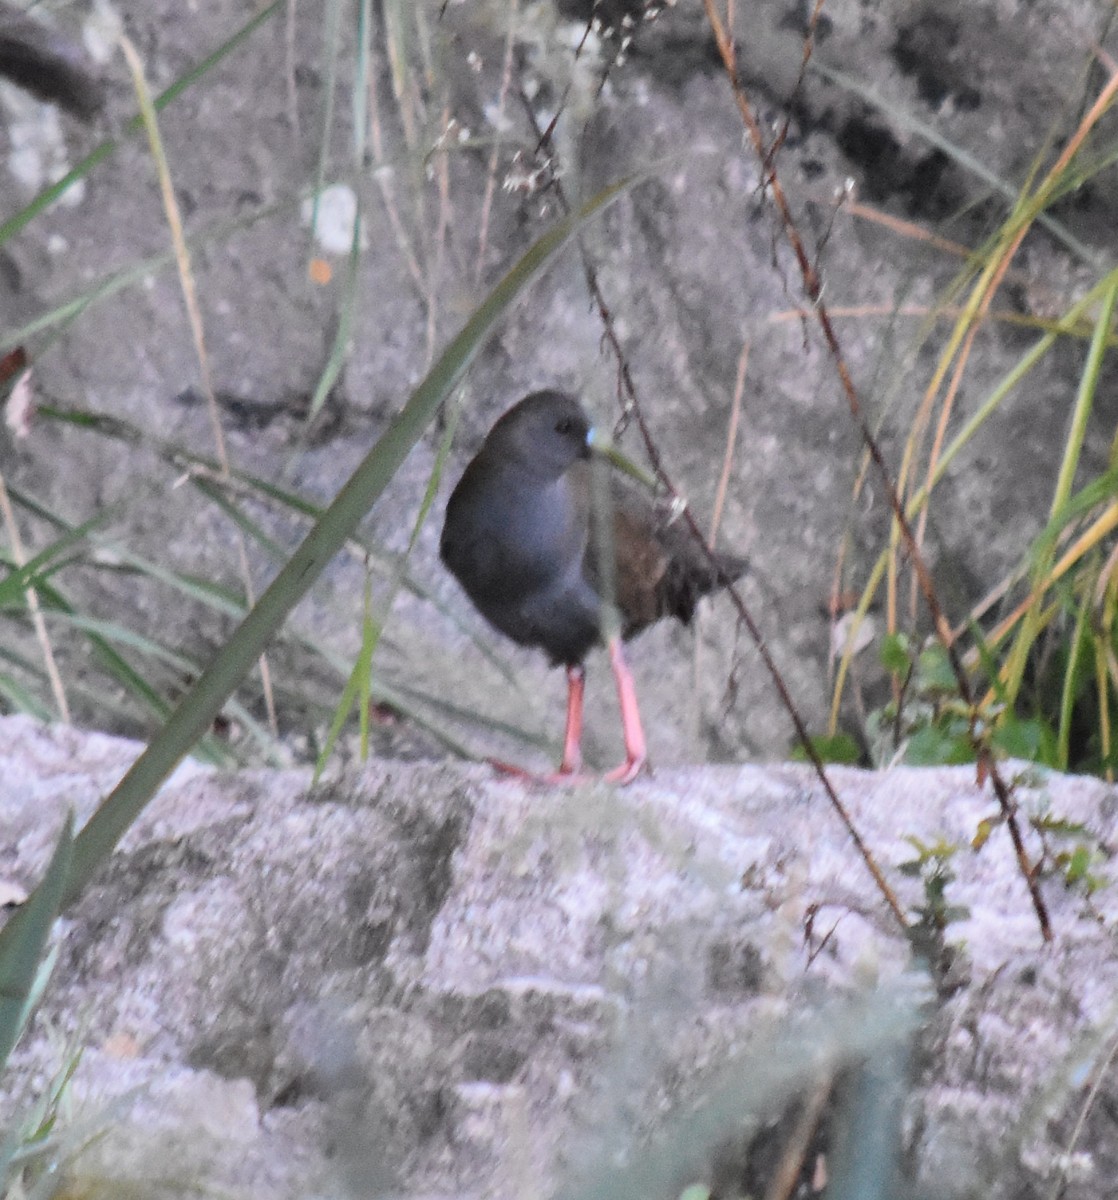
(636, 751)
(572, 736)
(568, 770)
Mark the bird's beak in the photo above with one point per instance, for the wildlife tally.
(600, 444)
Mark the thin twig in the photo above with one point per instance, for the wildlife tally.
(813, 287)
(805, 58)
(783, 1180)
(383, 174)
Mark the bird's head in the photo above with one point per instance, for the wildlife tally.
(547, 432)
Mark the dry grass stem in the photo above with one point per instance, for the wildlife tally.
(436, 260)
(383, 176)
(495, 153)
(731, 442)
(813, 287)
(19, 557)
(194, 315)
(784, 1178)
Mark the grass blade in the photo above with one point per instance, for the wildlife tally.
(24, 941)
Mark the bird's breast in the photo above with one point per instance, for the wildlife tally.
(507, 536)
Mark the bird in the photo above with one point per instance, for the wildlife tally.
(521, 538)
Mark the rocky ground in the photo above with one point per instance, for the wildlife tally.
(425, 980)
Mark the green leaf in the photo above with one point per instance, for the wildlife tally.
(838, 748)
(934, 747)
(896, 654)
(1031, 739)
(982, 833)
(934, 673)
(1058, 825)
(1078, 864)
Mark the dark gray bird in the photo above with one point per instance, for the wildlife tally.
(519, 538)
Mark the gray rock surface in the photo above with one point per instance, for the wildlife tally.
(426, 981)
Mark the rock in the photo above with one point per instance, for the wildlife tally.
(429, 980)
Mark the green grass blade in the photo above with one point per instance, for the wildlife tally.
(359, 685)
(211, 485)
(100, 635)
(358, 688)
(421, 519)
(1085, 397)
(117, 281)
(360, 91)
(1016, 661)
(14, 585)
(331, 27)
(22, 699)
(338, 350)
(24, 941)
(1078, 645)
(146, 697)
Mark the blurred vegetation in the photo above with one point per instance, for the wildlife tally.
(1040, 647)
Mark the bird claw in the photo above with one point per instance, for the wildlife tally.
(564, 776)
(627, 771)
(567, 777)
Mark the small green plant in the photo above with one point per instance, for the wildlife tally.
(1070, 853)
(928, 932)
(1039, 652)
(926, 724)
(34, 1147)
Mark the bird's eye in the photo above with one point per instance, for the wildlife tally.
(564, 426)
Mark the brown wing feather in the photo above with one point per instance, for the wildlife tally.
(642, 568)
(661, 571)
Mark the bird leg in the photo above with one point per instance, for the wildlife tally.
(568, 769)
(572, 735)
(636, 753)
(636, 750)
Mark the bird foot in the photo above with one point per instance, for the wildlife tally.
(627, 771)
(563, 776)
(621, 775)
